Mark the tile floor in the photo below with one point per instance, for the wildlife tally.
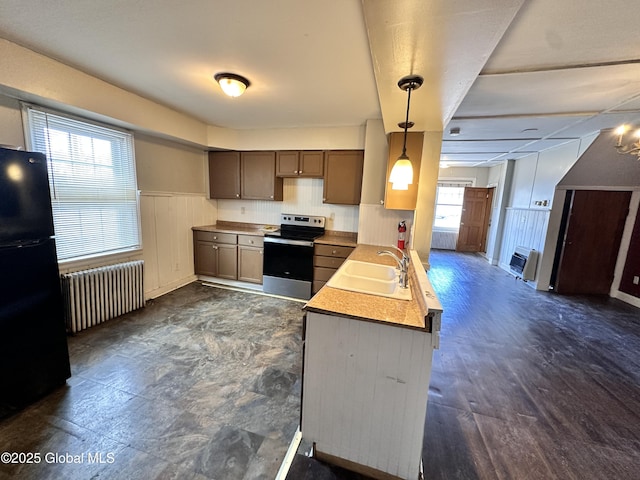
(203, 383)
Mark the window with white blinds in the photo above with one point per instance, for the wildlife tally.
(92, 177)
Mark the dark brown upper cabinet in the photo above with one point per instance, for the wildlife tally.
(246, 175)
(343, 176)
(308, 163)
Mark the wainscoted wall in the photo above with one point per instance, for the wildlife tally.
(379, 226)
(167, 238)
(300, 195)
(523, 228)
(444, 240)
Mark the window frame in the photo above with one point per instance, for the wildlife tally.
(84, 127)
(450, 182)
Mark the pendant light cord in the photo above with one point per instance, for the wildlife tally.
(406, 122)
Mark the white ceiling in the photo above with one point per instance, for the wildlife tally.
(515, 76)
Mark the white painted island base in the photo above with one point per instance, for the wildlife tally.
(365, 389)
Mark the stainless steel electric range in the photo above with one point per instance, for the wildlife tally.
(288, 256)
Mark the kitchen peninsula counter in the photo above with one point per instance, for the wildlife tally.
(421, 312)
(367, 366)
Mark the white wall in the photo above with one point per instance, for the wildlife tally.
(300, 195)
(599, 167)
(500, 177)
(535, 178)
(171, 177)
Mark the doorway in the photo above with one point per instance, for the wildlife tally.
(590, 241)
(474, 222)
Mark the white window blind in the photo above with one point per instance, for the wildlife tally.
(92, 177)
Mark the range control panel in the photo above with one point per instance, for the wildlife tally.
(301, 220)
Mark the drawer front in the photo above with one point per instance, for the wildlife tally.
(251, 240)
(322, 274)
(333, 251)
(216, 237)
(329, 262)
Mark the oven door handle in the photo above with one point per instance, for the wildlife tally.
(286, 241)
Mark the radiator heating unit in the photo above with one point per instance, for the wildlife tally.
(99, 294)
(523, 262)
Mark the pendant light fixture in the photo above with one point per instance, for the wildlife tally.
(232, 84)
(401, 175)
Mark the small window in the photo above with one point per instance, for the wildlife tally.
(449, 199)
(93, 184)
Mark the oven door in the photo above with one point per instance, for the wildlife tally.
(291, 259)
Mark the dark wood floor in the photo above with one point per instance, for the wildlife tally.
(529, 384)
(526, 384)
(205, 383)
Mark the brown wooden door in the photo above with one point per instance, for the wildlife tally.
(343, 176)
(474, 223)
(311, 164)
(224, 174)
(259, 180)
(592, 241)
(287, 163)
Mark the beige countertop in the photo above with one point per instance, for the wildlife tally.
(236, 227)
(422, 312)
(343, 239)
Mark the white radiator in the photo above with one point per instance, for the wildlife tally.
(96, 295)
(444, 240)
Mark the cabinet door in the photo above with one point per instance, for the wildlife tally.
(311, 164)
(259, 180)
(227, 261)
(287, 164)
(206, 258)
(343, 176)
(249, 264)
(404, 199)
(224, 174)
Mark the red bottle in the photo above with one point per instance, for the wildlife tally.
(402, 231)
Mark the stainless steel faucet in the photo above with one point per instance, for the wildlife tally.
(403, 265)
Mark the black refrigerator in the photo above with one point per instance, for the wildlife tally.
(34, 357)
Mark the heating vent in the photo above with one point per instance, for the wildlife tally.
(96, 295)
(523, 262)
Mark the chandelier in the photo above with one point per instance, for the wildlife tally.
(628, 140)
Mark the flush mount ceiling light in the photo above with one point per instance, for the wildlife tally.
(232, 84)
(626, 145)
(401, 175)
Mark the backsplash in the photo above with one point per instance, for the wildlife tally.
(300, 195)
(379, 226)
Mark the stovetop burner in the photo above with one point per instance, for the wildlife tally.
(299, 227)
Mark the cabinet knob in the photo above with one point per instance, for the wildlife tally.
(237, 195)
(251, 242)
(215, 247)
(260, 252)
(270, 196)
(299, 172)
(215, 238)
(334, 252)
(295, 171)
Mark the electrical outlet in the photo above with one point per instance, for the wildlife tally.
(636, 280)
(332, 216)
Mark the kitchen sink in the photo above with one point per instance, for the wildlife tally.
(370, 278)
(369, 270)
